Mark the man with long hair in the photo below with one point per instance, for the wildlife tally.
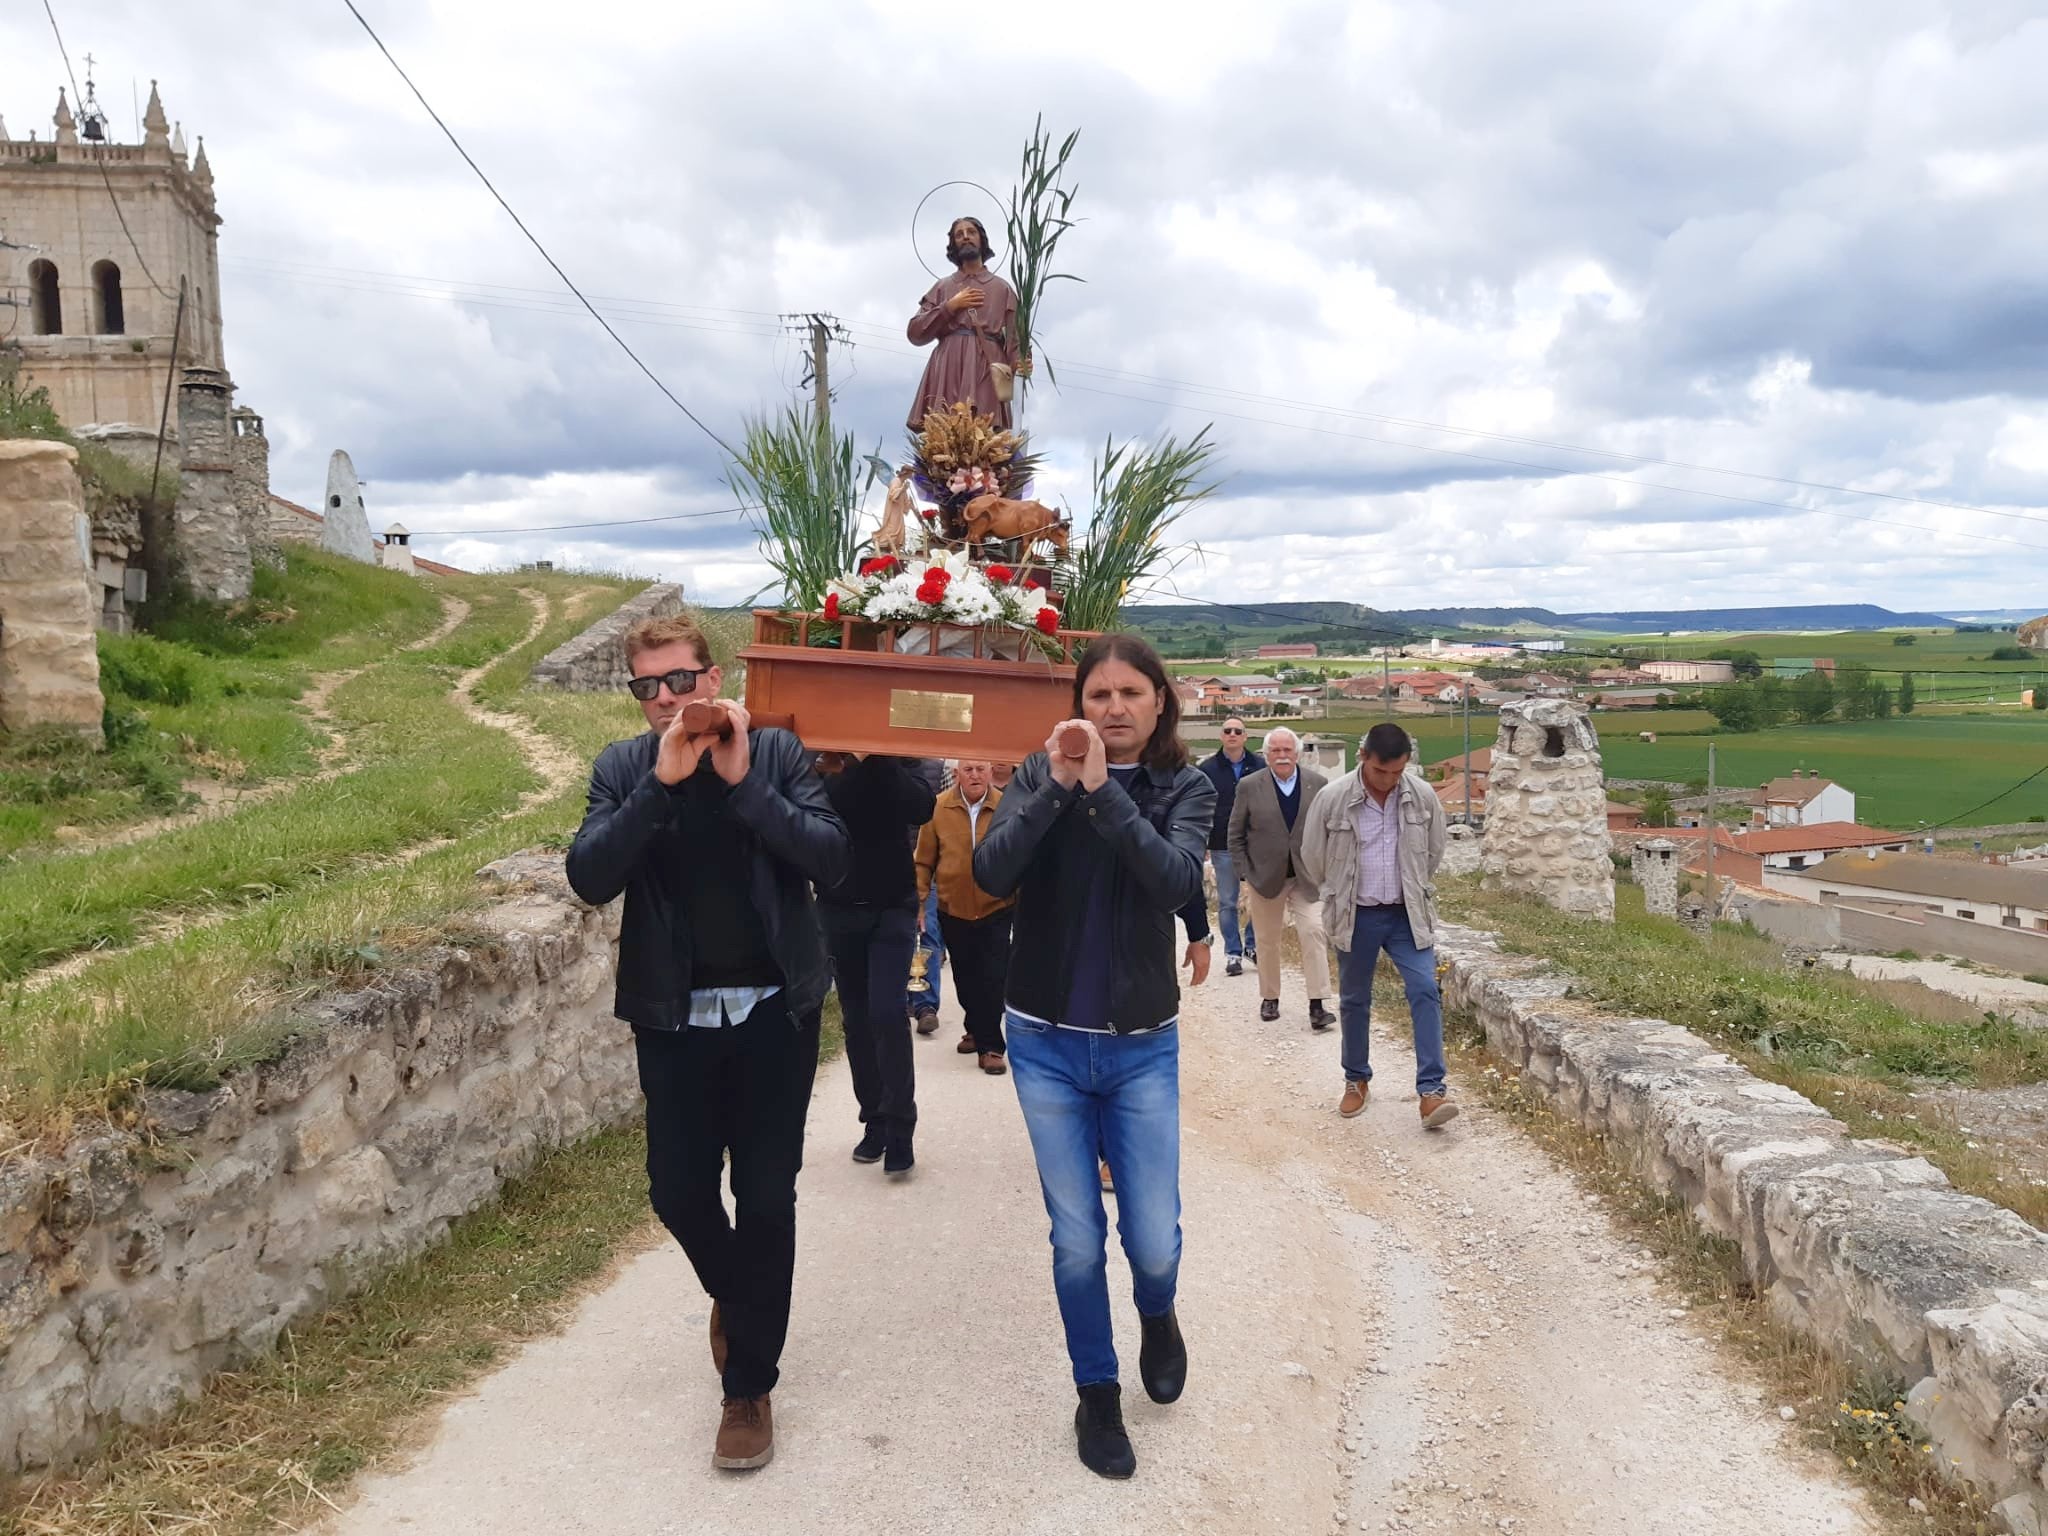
(715, 841)
(972, 316)
(1102, 849)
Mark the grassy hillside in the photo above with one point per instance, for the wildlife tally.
(1930, 653)
(185, 950)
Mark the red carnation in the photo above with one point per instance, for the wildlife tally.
(931, 593)
(880, 565)
(831, 605)
(1001, 573)
(1032, 583)
(1047, 621)
(939, 574)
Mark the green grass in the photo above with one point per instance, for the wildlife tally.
(1904, 771)
(1937, 649)
(1848, 1044)
(210, 691)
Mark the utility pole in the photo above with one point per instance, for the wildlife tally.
(823, 329)
(1467, 692)
(1387, 681)
(1713, 896)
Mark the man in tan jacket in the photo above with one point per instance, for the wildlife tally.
(1267, 820)
(974, 924)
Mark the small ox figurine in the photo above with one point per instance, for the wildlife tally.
(997, 517)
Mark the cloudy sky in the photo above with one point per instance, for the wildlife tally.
(1443, 276)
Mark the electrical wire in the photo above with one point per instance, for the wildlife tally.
(101, 161)
(653, 378)
(617, 522)
(1973, 810)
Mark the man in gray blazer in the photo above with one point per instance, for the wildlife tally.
(1266, 823)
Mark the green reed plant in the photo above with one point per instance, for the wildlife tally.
(803, 488)
(1141, 491)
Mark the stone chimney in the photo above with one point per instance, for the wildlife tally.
(251, 455)
(209, 546)
(396, 554)
(1656, 871)
(1546, 809)
(49, 665)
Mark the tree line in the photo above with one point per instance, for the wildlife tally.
(1854, 692)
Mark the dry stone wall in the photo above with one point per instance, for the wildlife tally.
(594, 662)
(135, 1264)
(49, 660)
(1855, 1243)
(1546, 809)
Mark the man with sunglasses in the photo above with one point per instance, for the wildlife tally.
(1225, 768)
(715, 841)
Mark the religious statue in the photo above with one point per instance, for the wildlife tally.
(894, 533)
(972, 316)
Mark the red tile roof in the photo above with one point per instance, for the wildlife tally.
(431, 567)
(1822, 835)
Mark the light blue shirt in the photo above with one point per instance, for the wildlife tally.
(1287, 785)
(723, 1007)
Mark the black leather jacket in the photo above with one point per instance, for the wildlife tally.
(632, 823)
(1050, 844)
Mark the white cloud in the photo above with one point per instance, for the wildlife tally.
(1795, 241)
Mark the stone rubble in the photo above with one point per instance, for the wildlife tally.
(1855, 1243)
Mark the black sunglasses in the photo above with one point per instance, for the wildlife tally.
(1228, 731)
(680, 682)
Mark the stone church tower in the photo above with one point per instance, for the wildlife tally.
(89, 303)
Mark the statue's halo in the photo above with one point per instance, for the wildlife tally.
(917, 243)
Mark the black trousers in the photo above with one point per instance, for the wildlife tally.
(743, 1090)
(980, 951)
(871, 948)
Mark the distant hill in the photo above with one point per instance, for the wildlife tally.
(1821, 616)
(1216, 629)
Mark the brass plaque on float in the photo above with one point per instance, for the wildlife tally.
(912, 709)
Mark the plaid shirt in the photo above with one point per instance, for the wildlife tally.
(1379, 850)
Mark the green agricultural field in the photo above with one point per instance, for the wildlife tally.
(1944, 664)
(1905, 771)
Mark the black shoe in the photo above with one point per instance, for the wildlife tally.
(872, 1145)
(1099, 1429)
(1162, 1357)
(1251, 954)
(899, 1159)
(1233, 966)
(1269, 1009)
(1319, 1017)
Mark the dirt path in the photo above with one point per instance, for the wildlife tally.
(1388, 1332)
(217, 799)
(550, 761)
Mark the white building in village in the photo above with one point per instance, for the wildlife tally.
(1997, 895)
(1803, 800)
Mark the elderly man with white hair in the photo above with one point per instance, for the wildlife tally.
(1266, 824)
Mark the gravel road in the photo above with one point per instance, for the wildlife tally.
(1387, 1331)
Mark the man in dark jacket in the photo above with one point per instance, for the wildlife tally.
(1102, 850)
(870, 922)
(1226, 767)
(714, 841)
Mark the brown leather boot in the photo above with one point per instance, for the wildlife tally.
(1353, 1102)
(746, 1434)
(993, 1064)
(966, 1047)
(717, 1339)
(1437, 1111)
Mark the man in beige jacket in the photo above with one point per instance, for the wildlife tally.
(1267, 820)
(1372, 846)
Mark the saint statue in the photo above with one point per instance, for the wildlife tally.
(972, 315)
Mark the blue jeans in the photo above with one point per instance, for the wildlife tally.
(1226, 904)
(928, 997)
(1372, 930)
(1119, 1093)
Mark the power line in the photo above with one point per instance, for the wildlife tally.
(1973, 810)
(617, 522)
(534, 240)
(100, 159)
(1420, 424)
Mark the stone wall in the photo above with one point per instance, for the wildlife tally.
(133, 1264)
(593, 661)
(49, 661)
(1546, 809)
(1856, 1244)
